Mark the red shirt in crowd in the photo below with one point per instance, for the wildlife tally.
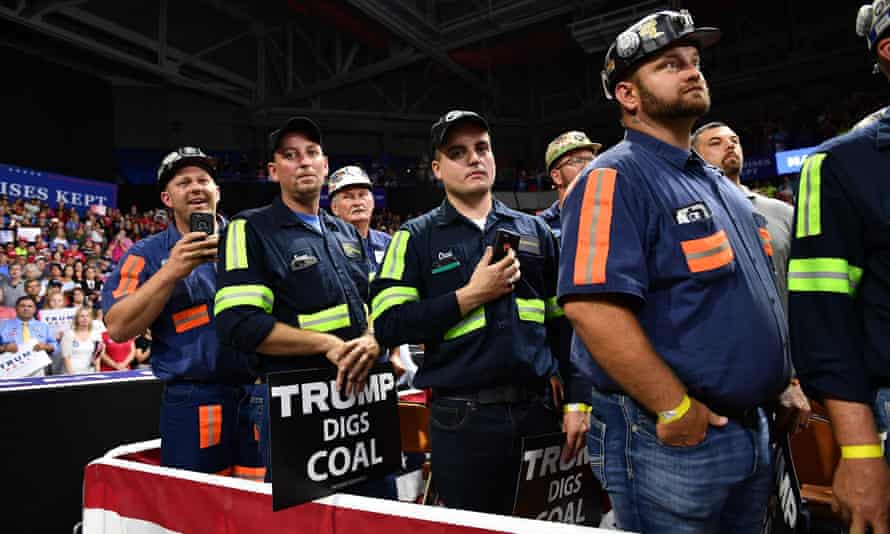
(116, 351)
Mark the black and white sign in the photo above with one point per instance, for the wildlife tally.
(550, 489)
(324, 441)
(783, 514)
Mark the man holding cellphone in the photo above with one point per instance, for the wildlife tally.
(167, 282)
(485, 325)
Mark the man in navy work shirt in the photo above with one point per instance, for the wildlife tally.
(565, 157)
(167, 282)
(352, 199)
(293, 280)
(484, 324)
(839, 294)
(666, 281)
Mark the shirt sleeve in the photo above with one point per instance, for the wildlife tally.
(400, 311)
(604, 227)
(826, 264)
(49, 338)
(126, 278)
(244, 298)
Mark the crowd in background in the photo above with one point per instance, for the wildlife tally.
(60, 258)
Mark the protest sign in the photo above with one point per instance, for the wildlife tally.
(551, 489)
(25, 362)
(323, 440)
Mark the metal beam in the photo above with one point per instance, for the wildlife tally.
(138, 39)
(162, 32)
(419, 40)
(121, 56)
(213, 48)
(40, 8)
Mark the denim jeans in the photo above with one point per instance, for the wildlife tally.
(720, 485)
(477, 447)
(882, 416)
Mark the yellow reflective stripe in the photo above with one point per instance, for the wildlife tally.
(827, 275)
(394, 263)
(392, 296)
(246, 295)
(809, 203)
(553, 309)
(531, 309)
(475, 320)
(326, 320)
(236, 246)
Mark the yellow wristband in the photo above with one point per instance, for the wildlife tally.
(669, 416)
(579, 407)
(858, 452)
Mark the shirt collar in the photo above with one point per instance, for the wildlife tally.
(448, 214)
(287, 218)
(675, 156)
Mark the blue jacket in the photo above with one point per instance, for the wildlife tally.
(505, 341)
(274, 267)
(184, 342)
(655, 223)
(839, 273)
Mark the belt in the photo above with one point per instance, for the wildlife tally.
(504, 394)
(749, 418)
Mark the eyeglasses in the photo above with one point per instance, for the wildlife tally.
(575, 160)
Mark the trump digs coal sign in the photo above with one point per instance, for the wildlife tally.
(324, 440)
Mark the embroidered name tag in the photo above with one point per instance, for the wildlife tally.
(302, 261)
(529, 244)
(351, 249)
(445, 261)
(692, 213)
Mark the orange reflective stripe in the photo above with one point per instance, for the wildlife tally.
(227, 472)
(129, 279)
(191, 318)
(210, 425)
(767, 241)
(256, 433)
(594, 227)
(257, 474)
(708, 253)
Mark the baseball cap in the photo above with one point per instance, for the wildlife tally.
(647, 36)
(184, 157)
(347, 176)
(300, 124)
(567, 142)
(873, 21)
(439, 131)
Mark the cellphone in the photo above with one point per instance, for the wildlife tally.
(201, 222)
(504, 240)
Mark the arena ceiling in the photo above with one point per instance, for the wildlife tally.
(521, 61)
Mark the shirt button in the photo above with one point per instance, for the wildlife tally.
(502, 325)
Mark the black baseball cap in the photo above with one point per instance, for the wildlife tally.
(439, 131)
(182, 157)
(300, 124)
(648, 36)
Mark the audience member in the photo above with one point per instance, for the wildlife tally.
(143, 349)
(14, 287)
(25, 331)
(81, 344)
(116, 356)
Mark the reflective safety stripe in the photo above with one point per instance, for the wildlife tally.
(257, 474)
(392, 296)
(210, 425)
(594, 228)
(129, 277)
(394, 263)
(236, 246)
(326, 320)
(247, 295)
(190, 318)
(475, 320)
(552, 309)
(531, 309)
(707, 253)
(767, 241)
(829, 275)
(809, 214)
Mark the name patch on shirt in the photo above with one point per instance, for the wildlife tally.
(445, 260)
(351, 249)
(302, 261)
(529, 244)
(692, 213)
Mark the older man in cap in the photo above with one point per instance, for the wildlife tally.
(352, 199)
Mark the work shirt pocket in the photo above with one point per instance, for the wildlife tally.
(705, 249)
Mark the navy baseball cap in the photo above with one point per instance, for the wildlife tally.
(439, 131)
(300, 124)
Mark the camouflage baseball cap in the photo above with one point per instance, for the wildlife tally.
(566, 143)
(347, 176)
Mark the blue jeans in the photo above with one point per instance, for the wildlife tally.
(477, 448)
(719, 485)
(882, 416)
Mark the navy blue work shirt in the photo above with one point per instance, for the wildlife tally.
(656, 223)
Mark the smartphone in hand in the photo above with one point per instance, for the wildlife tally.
(504, 240)
(201, 222)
